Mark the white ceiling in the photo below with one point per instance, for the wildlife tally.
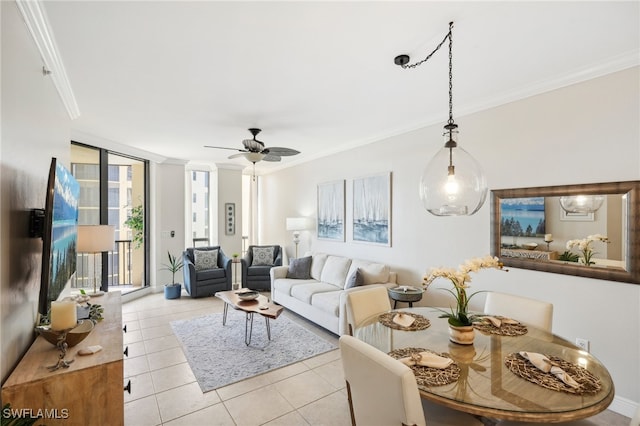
(170, 77)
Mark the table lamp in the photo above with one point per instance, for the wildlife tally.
(95, 239)
(296, 224)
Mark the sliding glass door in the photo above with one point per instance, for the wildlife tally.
(113, 191)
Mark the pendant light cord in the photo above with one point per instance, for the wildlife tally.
(450, 35)
(417, 64)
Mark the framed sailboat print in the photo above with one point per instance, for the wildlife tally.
(372, 209)
(331, 210)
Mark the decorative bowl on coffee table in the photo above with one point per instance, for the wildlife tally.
(248, 295)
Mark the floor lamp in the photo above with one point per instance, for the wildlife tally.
(296, 224)
(95, 239)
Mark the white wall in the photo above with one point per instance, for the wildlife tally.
(169, 213)
(585, 133)
(229, 189)
(35, 127)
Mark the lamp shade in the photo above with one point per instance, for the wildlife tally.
(95, 238)
(453, 194)
(297, 223)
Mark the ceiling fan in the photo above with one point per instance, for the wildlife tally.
(254, 150)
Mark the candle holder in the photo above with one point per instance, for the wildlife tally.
(64, 339)
(548, 242)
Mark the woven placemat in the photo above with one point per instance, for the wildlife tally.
(589, 384)
(428, 376)
(504, 330)
(420, 322)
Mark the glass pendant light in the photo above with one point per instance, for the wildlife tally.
(581, 203)
(453, 183)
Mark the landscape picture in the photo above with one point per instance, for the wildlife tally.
(522, 217)
(372, 209)
(66, 191)
(331, 210)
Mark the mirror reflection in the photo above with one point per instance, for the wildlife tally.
(539, 228)
(530, 229)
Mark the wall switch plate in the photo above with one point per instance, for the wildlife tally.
(582, 344)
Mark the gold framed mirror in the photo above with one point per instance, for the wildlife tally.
(530, 230)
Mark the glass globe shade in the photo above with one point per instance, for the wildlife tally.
(581, 203)
(459, 193)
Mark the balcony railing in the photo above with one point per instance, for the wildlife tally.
(119, 267)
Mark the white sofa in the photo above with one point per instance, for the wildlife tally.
(321, 298)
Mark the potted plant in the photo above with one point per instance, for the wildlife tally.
(460, 320)
(172, 291)
(584, 246)
(136, 223)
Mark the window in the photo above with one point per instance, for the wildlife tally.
(112, 201)
(200, 203)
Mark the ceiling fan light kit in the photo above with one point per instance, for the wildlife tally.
(453, 183)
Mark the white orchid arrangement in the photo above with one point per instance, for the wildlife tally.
(585, 247)
(460, 279)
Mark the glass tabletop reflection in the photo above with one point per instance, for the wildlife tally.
(486, 386)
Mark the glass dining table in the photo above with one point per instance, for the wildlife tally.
(486, 386)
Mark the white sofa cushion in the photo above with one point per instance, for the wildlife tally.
(335, 271)
(284, 285)
(372, 273)
(328, 302)
(305, 292)
(317, 263)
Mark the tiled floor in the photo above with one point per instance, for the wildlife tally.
(165, 391)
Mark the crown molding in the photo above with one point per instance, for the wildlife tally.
(230, 166)
(35, 19)
(116, 147)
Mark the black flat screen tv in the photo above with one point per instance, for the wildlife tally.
(59, 236)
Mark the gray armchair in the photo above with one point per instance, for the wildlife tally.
(208, 278)
(256, 268)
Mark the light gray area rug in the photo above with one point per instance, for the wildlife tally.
(218, 355)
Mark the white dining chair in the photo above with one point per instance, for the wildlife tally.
(529, 311)
(364, 303)
(383, 391)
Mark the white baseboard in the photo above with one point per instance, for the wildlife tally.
(132, 295)
(624, 406)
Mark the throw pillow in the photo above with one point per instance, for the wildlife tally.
(355, 279)
(262, 256)
(300, 268)
(205, 259)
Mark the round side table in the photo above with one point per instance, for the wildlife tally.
(405, 293)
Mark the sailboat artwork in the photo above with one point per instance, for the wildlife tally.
(331, 211)
(372, 209)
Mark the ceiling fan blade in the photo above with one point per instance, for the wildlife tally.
(282, 152)
(242, 154)
(271, 157)
(254, 157)
(224, 147)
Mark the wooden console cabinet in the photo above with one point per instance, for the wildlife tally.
(89, 392)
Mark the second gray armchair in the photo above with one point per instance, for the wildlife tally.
(256, 265)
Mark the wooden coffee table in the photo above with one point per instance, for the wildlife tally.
(261, 306)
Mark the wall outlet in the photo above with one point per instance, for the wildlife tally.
(582, 344)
